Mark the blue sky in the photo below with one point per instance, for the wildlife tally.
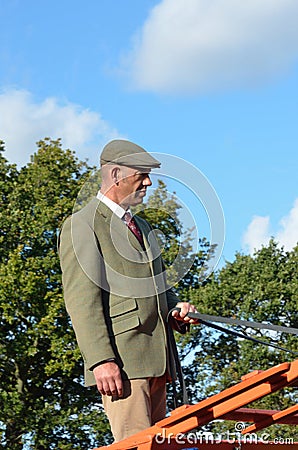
(213, 83)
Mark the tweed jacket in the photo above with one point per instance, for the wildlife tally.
(115, 292)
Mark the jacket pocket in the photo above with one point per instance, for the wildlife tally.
(125, 323)
(122, 305)
(124, 314)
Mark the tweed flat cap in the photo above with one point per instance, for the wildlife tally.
(126, 153)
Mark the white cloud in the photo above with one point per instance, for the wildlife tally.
(25, 121)
(199, 45)
(258, 232)
(288, 235)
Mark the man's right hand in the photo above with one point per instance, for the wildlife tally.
(108, 379)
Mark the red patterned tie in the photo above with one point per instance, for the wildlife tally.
(131, 223)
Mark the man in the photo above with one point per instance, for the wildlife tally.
(116, 293)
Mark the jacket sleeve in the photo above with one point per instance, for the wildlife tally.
(81, 262)
(177, 325)
(172, 298)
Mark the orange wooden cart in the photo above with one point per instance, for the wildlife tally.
(175, 432)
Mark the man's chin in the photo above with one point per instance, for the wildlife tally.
(137, 201)
(138, 198)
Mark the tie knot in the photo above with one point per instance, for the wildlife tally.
(127, 217)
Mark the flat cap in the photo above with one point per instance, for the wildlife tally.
(126, 153)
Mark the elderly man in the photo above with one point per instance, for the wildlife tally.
(116, 293)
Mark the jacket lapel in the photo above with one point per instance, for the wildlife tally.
(119, 227)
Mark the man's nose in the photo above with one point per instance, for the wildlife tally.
(147, 181)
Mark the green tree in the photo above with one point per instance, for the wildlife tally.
(262, 287)
(8, 178)
(42, 396)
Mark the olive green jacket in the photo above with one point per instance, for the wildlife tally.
(115, 292)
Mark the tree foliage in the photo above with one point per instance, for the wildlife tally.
(42, 397)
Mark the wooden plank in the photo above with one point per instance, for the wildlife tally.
(256, 415)
(275, 418)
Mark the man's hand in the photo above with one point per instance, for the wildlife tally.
(108, 379)
(185, 308)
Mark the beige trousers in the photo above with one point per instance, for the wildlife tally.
(143, 404)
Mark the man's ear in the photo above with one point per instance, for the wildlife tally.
(115, 174)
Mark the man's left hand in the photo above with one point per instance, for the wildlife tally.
(185, 308)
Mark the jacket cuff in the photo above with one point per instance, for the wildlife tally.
(102, 362)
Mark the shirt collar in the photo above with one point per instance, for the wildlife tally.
(114, 207)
